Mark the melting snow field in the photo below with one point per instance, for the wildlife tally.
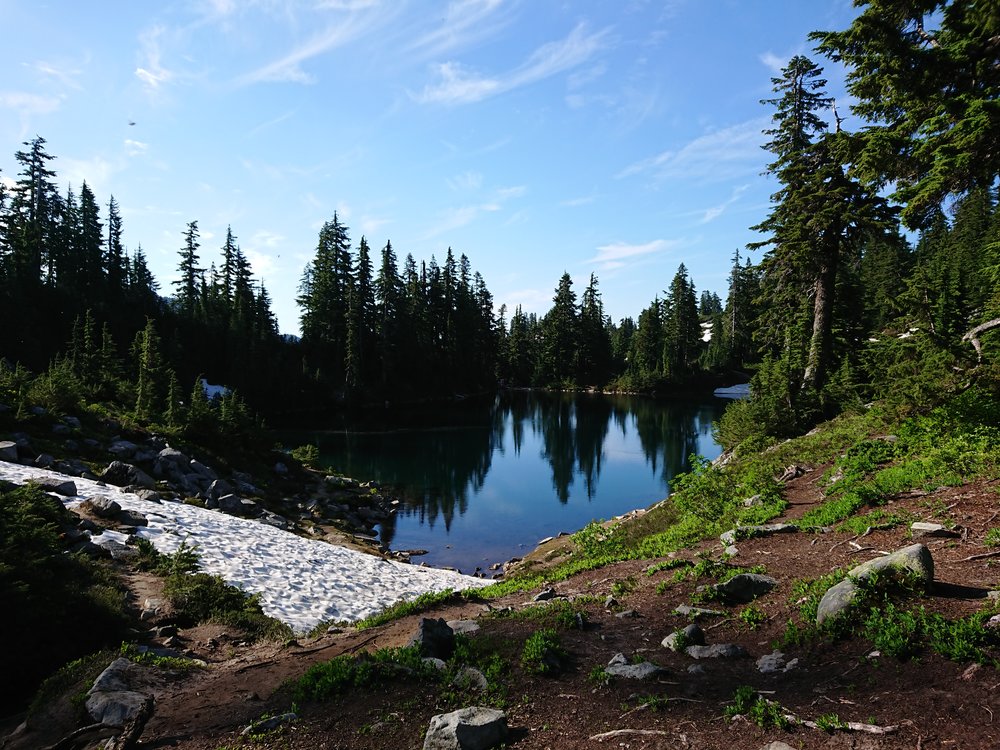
(301, 582)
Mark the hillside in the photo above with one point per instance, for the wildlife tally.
(883, 681)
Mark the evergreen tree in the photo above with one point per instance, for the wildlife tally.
(561, 335)
(819, 216)
(681, 328)
(114, 252)
(595, 339)
(33, 215)
(388, 309)
(191, 276)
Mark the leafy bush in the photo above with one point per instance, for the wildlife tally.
(542, 653)
(43, 588)
(748, 703)
(327, 679)
(199, 597)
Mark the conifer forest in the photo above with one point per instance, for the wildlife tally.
(878, 276)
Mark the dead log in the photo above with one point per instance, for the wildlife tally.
(973, 335)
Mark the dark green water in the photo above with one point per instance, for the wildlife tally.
(482, 482)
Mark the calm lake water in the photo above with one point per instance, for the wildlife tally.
(482, 482)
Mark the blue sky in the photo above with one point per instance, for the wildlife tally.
(615, 137)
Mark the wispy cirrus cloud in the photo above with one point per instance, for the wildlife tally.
(353, 21)
(618, 254)
(27, 106)
(135, 148)
(715, 212)
(66, 76)
(460, 216)
(151, 72)
(466, 23)
(460, 86)
(718, 155)
(773, 62)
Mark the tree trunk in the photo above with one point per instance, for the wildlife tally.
(824, 295)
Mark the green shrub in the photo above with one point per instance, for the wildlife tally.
(327, 679)
(749, 703)
(199, 597)
(43, 588)
(542, 653)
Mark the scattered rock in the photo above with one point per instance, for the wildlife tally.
(686, 610)
(434, 638)
(716, 651)
(466, 627)
(122, 474)
(692, 635)
(473, 728)
(744, 587)
(913, 560)
(268, 724)
(620, 667)
(66, 488)
(8, 451)
(132, 518)
(920, 529)
(775, 662)
(544, 595)
(111, 700)
(471, 678)
(102, 507)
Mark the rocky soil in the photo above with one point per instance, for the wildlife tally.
(923, 703)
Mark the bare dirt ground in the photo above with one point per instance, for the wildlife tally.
(932, 703)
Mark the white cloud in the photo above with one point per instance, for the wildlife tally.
(29, 104)
(772, 61)
(614, 255)
(721, 154)
(582, 201)
(95, 171)
(152, 73)
(459, 86)
(66, 76)
(715, 212)
(466, 23)
(466, 181)
(348, 5)
(515, 191)
(135, 148)
(345, 30)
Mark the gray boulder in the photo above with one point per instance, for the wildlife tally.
(716, 651)
(66, 488)
(919, 529)
(914, 560)
(8, 450)
(775, 662)
(620, 667)
(238, 506)
(122, 474)
(692, 635)
(473, 728)
(744, 587)
(132, 518)
(103, 507)
(434, 638)
(123, 448)
(220, 488)
(111, 700)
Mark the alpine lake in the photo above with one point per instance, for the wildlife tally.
(481, 481)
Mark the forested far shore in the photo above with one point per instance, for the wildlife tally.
(857, 295)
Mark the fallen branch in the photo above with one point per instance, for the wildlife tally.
(122, 738)
(973, 335)
(981, 556)
(629, 732)
(129, 737)
(856, 726)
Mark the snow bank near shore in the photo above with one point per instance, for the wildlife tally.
(301, 582)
